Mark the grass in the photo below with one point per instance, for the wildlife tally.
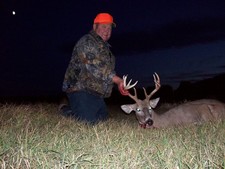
(36, 136)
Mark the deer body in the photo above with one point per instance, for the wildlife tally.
(194, 112)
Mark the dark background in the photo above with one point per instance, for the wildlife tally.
(183, 41)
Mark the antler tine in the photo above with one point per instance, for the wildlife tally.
(156, 80)
(146, 95)
(124, 80)
(134, 97)
(131, 86)
(157, 86)
(128, 86)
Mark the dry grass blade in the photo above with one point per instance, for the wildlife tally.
(36, 136)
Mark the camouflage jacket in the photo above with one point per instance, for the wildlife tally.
(91, 67)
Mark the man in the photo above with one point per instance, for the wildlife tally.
(90, 75)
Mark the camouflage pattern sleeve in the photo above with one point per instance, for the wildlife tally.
(91, 67)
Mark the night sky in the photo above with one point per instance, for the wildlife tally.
(180, 40)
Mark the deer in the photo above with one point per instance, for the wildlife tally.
(192, 112)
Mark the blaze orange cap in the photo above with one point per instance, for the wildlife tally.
(104, 18)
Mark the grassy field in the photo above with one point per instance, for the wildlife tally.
(36, 136)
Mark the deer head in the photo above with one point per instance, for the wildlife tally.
(143, 108)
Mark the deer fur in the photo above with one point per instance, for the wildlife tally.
(194, 112)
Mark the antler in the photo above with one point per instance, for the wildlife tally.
(157, 86)
(129, 86)
(134, 97)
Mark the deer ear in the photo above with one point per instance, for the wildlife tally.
(154, 102)
(128, 108)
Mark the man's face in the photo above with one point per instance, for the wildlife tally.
(103, 30)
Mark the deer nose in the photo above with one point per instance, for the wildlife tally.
(149, 122)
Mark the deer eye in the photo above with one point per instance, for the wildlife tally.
(138, 109)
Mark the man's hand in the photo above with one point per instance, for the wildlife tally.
(120, 84)
(123, 91)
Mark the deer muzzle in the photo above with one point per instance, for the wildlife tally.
(147, 124)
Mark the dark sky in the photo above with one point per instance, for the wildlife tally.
(181, 40)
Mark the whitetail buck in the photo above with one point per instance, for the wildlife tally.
(195, 112)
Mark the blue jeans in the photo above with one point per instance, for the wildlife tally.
(86, 107)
